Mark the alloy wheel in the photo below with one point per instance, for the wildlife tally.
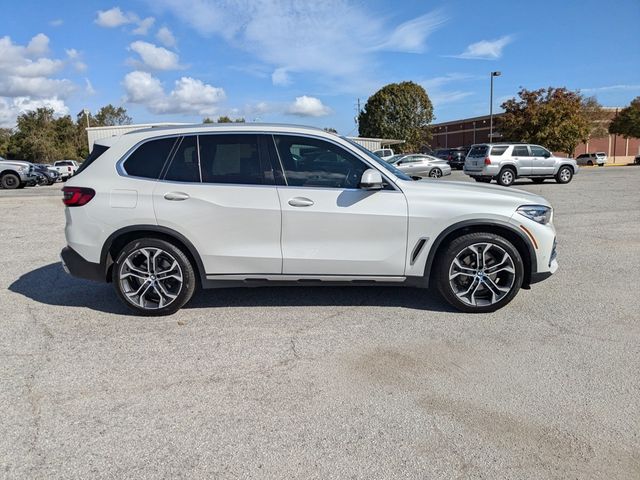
(482, 274)
(435, 173)
(150, 278)
(565, 175)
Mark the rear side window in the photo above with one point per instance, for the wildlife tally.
(233, 158)
(499, 150)
(184, 166)
(97, 151)
(147, 161)
(520, 151)
(478, 151)
(539, 151)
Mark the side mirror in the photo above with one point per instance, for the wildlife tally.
(371, 180)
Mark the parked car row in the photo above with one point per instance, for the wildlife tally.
(20, 174)
(420, 165)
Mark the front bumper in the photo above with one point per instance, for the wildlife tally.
(74, 264)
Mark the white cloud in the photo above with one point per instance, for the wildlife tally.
(25, 72)
(439, 95)
(308, 107)
(336, 39)
(189, 96)
(89, 87)
(280, 77)
(38, 45)
(622, 87)
(166, 38)
(411, 36)
(486, 49)
(56, 22)
(144, 25)
(156, 58)
(114, 17)
(11, 108)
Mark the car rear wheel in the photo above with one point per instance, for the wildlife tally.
(10, 181)
(590, 163)
(435, 173)
(506, 177)
(153, 277)
(564, 175)
(480, 272)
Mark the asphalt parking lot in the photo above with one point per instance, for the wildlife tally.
(328, 382)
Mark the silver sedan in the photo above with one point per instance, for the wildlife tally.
(421, 165)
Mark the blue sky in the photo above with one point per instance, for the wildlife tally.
(307, 62)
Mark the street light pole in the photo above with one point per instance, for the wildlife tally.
(493, 74)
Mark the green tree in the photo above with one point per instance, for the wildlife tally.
(109, 116)
(398, 110)
(34, 139)
(227, 119)
(597, 116)
(627, 121)
(5, 138)
(207, 120)
(552, 117)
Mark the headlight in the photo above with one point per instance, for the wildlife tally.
(537, 213)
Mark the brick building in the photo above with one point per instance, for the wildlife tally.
(467, 131)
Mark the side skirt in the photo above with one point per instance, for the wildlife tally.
(234, 281)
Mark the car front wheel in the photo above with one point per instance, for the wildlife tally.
(479, 272)
(10, 181)
(153, 277)
(564, 175)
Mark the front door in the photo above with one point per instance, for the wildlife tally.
(542, 162)
(329, 225)
(218, 191)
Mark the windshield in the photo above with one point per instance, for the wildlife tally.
(385, 165)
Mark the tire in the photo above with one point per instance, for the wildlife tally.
(538, 180)
(564, 175)
(435, 173)
(137, 286)
(456, 272)
(506, 177)
(10, 181)
(590, 163)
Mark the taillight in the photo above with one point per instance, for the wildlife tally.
(487, 161)
(77, 196)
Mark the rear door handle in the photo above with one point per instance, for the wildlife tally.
(300, 202)
(176, 196)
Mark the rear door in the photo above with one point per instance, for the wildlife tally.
(329, 225)
(218, 191)
(522, 158)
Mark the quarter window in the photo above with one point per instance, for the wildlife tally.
(149, 158)
(499, 150)
(311, 162)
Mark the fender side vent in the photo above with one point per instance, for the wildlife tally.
(417, 249)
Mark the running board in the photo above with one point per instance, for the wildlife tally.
(235, 280)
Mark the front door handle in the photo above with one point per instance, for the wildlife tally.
(300, 202)
(176, 196)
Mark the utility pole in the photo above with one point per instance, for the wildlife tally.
(493, 74)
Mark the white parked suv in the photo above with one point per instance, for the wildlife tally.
(505, 162)
(161, 211)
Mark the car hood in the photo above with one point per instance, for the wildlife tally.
(473, 192)
(15, 162)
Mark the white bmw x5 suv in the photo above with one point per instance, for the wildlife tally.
(159, 212)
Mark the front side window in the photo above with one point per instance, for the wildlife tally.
(233, 159)
(539, 151)
(149, 158)
(520, 151)
(310, 162)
